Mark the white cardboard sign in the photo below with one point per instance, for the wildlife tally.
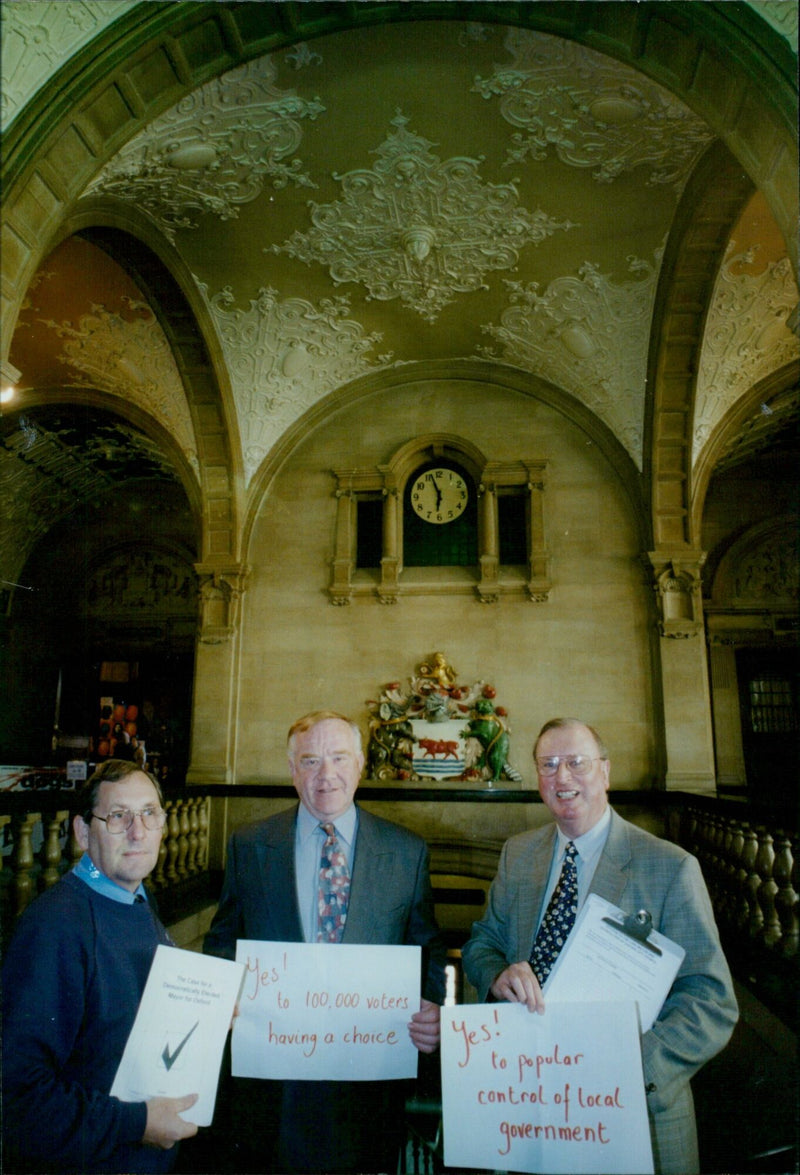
(317, 1012)
(556, 1093)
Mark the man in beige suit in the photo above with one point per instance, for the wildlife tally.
(633, 870)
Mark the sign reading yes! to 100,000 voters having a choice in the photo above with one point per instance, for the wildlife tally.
(311, 1013)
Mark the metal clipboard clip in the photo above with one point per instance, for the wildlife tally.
(636, 926)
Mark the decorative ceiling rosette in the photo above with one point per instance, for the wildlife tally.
(588, 335)
(592, 111)
(213, 150)
(127, 355)
(418, 228)
(282, 356)
(746, 337)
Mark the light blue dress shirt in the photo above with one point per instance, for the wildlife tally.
(589, 847)
(308, 841)
(88, 872)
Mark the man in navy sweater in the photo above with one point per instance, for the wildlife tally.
(73, 975)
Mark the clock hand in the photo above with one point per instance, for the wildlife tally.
(438, 495)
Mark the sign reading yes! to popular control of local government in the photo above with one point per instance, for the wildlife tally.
(316, 1013)
(561, 1092)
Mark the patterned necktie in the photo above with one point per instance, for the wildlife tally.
(559, 917)
(334, 888)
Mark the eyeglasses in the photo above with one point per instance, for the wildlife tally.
(121, 820)
(575, 764)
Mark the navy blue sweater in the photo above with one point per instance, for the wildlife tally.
(73, 975)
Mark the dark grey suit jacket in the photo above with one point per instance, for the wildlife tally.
(326, 1125)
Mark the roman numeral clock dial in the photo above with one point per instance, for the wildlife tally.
(439, 495)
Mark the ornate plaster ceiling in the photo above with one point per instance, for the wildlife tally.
(438, 191)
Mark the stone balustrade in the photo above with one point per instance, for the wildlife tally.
(751, 873)
(750, 865)
(38, 846)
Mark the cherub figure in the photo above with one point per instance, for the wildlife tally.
(440, 672)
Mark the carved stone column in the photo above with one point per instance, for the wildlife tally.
(688, 739)
(342, 566)
(216, 673)
(489, 557)
(390, 558)
(539, 563)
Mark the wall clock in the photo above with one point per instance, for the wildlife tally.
(439, 495)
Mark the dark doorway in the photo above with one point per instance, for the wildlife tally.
(768, 698)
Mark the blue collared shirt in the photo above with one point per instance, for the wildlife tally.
(308, 841)
(88, 872)
(589, 847)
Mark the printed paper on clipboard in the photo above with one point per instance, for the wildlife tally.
(605, 960)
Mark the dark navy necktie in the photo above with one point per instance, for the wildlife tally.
(559, 917)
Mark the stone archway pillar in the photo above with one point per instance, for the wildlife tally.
(216, 674)
(688, 733)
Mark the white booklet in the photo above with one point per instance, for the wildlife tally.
(175, 1046)
(611, 955)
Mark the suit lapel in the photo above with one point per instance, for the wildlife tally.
(276, 877)
(611, 874)
(533, 887)
(372, 869)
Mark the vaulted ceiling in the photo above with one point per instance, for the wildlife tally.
(360, 200)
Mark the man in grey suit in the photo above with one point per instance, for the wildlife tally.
(633, 870)
(272, 891)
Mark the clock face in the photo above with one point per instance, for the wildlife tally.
(439, 495)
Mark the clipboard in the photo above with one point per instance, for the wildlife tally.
(611, 955)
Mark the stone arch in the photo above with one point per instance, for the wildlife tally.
(729, 429)
(138, 67)
(711, 205)
(494, 375)
(178, 318)
(760, 568)
(116, 409)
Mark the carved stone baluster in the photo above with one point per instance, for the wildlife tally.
(183, 839)
(786, 898)
(737, 878)
(689, 836)
(22, 859)
(716, 837)
(706, 828)
(727, 871)
(158, 877)
(767, 890)
(191, 859)
(50, 855)
(755, 917)
(73, 850)
(173, 833)
(202, 832)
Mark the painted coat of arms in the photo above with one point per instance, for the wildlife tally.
(437, 728)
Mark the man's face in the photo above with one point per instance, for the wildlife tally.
(326, 768)
(576, 801)
(127, 857)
